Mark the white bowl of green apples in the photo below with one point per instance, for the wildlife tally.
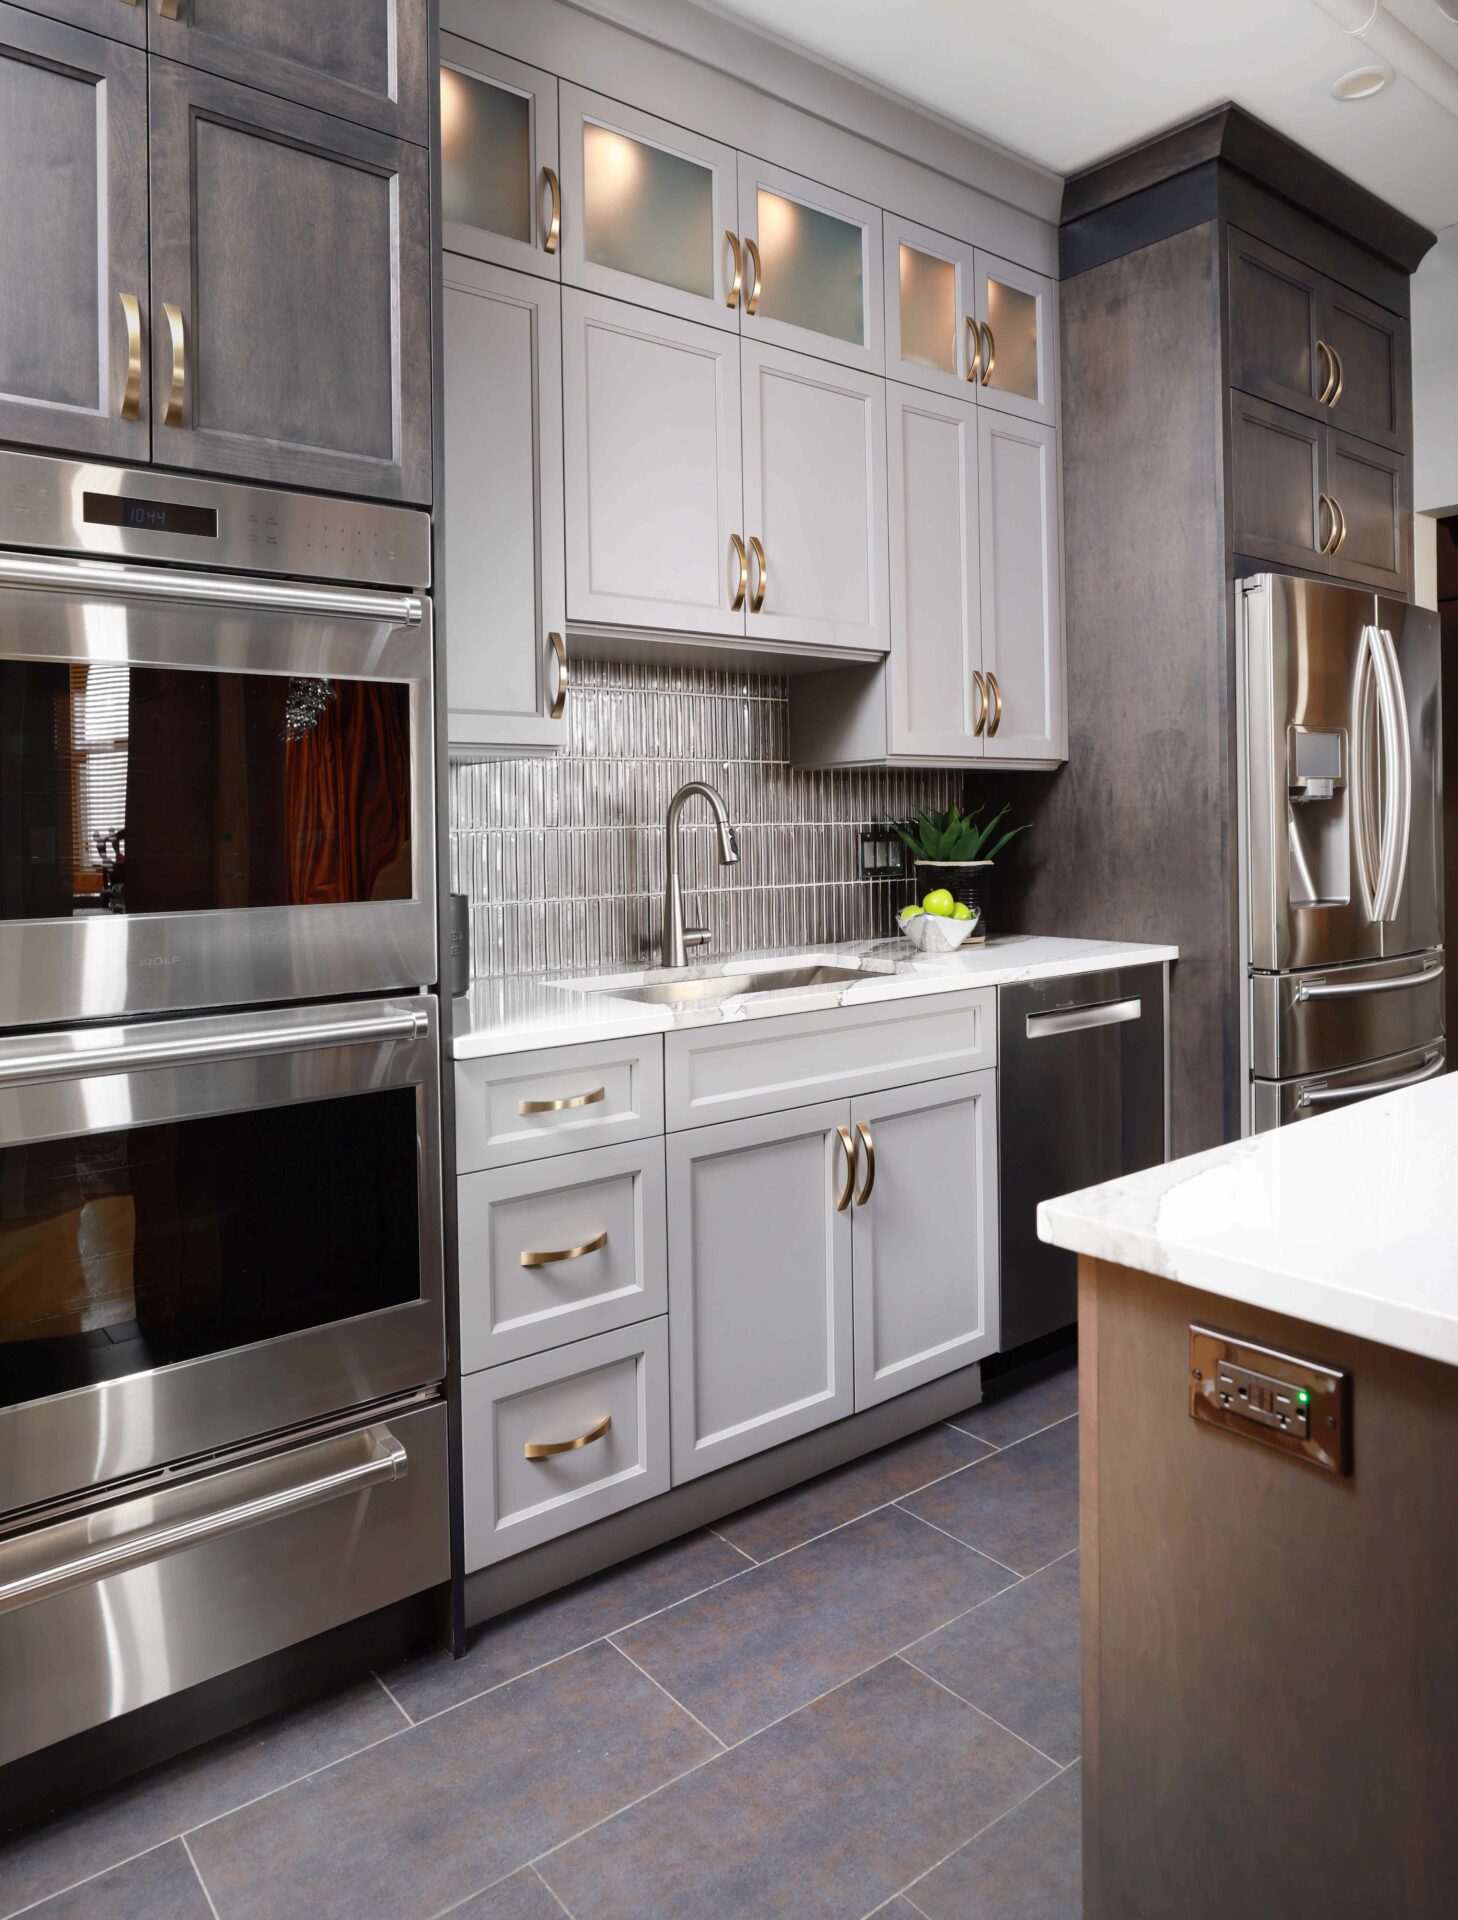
(939, 924)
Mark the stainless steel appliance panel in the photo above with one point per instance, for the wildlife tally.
(1323, 1018)
(143, 1592)
(1081, 1099)
(1414, 921)
(105, 1082)
(1277, 1103)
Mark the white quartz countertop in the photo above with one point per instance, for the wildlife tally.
(513, 1015)
(1349, 1221)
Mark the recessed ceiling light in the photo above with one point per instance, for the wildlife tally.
(1362, 82)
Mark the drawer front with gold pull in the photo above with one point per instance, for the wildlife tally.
(558, 1249)
(515, 1107)
(560, 1439)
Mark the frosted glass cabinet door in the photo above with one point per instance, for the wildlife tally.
(1022, 580)
(812, 270)
(505, 586)
(815, 502)
(499, 180)
(649, 211)
(654, 495)
(932, 339)
(1018, 312)
(937, 710)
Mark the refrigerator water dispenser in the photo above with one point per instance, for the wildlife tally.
(1319, 832)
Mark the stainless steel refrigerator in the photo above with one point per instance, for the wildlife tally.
(1341, 847)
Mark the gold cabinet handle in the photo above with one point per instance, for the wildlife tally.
(743, 557)
(559, 699)
(1341, 376)
(751, 305)
(595, 1245)
(848, 1148)
(989, 359)
(1341, 523)
(864, 1192)
(131, 406)
(177, 385)
(996, 703)
(974, 341)
(1326, 357)
(756, 598)
(736, 253)
(562, 1106)
(981, 686)
(544, 1449)
(554, 225)
(169, 9)
(1325, 523)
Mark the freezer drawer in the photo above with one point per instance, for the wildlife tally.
(1332, 1017)
(113, 1605)
(1276, 1103)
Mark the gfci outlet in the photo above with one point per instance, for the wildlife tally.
(1299, 1406)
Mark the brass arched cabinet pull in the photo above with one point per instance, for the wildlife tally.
(554, 225)
(742, 555)
(1328, 359)
(557, 1255)
(1341, 377)
(761, 586)
(996, 721)
(989, 358)
(170, 9)
(974, 341)
(736, 282)
(544, 1449)
(559, 699)
(562, 1106)
(1325, 523)
(177, 385)
(982, 700)
(848, 1148)
(751, 305)
(863, 1193)
(1341, 524)
(131, 406)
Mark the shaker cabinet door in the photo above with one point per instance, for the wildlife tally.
(932, 336)
(505, 564)
(1373, 393)
(1276, 485)
(1275, 325)
(501, 195)
(759, 1284)
(365, 60)
(1373, 491)
(654, 493)
(1022, 588)
(73, 240)
(1017, 319)
(291, 292)
(815, 502)
(812, 269)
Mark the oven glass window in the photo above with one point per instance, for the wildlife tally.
(159, 790)
(124, 1251)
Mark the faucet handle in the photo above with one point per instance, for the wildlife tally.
(696, 936)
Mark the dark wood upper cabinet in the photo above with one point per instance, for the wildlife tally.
(1373, 489)
(364, 60)
(1374, 361)
(1275, 322)
(124, 20)
(1276, 484)
(293, 250)
(73, 238)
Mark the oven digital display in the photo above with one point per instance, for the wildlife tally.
(149, 516)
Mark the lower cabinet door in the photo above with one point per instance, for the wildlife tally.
(926, 1294)
(554, 1441)
(759, 1283)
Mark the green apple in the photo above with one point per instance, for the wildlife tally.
(911, 912)
(961, 911)
(939, 902)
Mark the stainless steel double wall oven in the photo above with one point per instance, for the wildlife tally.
(221, 1318)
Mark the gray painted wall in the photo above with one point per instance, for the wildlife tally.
(1435, 378)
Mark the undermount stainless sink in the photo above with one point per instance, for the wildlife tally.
(723, 986)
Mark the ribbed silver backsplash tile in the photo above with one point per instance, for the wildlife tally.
(563, 858)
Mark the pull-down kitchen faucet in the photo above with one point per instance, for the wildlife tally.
(677, 938)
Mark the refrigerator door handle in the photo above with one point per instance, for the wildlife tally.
(1319, 1094)
(1366, 839)
(1344, 989)
(1400, 781)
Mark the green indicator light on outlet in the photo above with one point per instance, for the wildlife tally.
(1302, 1396)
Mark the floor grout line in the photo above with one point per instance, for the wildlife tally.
(551, 1891)
(1022, 1739)
(14, 1913)
(1008, 1446)
(728, 1543)
(722, 1745)
(212, 1909)
(927, 1872)
(980, 1551)
(409, 1721)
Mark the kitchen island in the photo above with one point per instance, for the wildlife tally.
(1269, 1458)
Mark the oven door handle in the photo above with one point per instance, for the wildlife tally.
(80, 1060)
(85, 1548)
(89, 578)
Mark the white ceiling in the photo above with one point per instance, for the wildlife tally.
(1068, 82)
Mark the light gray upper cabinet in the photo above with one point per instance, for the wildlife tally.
(501, 190)
(759, 1284)
(505, 559)
(1017, 315)
(291, 292)
(364, 60)
(925, 1238)
(649, 211)
(812, 267)
(74, 301)
(932, 336)
(815, 502)
(654, 497)
(1022, 588)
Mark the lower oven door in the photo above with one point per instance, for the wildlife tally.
(108, 1607)
(1276, 1103)
(211, 1230)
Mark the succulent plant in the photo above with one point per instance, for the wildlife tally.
(954, 835)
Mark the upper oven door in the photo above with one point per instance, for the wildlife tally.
(212, 1229)
(213, 790)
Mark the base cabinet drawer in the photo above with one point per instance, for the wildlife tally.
(560, 1249)
(517, 1106)
(560, 1439)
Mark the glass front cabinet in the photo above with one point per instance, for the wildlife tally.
(1017, 316)
(501, 193)
(812, 267)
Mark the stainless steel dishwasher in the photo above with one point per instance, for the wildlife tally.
(1081, 1099)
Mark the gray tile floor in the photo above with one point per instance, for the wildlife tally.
(858, 1698)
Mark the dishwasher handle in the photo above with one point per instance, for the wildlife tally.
(1105, 1013)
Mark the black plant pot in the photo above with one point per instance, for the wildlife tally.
(969, 881)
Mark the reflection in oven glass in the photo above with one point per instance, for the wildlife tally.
(124, 1251)
(158, 790)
